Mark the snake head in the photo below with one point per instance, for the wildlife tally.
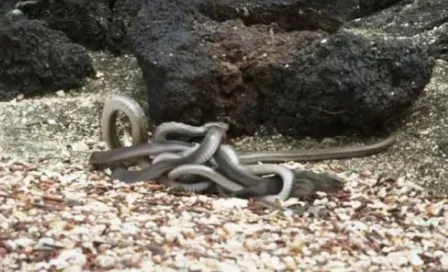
(220, 125)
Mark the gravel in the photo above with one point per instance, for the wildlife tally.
(57, 214)
(65, 217)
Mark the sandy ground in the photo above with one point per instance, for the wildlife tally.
(65, 127)
(62, 215)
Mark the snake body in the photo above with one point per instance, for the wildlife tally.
(128, 153)
(319, 154)
(137, 118)
(229, 164)
(205, 171)
(225, 156)
(196, 186)
(165, 129)
(135, 114)
(200, 155)
(182, 159)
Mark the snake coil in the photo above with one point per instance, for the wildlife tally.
(194, 166)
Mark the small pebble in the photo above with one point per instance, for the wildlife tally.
(105, 261)
(79, 146)
(93, 222)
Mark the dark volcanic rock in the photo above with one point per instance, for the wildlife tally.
(6, 6)
(346, 81)
(424, 20)
(370, 6)
(406, 18)
(287, 14)
(298, 82)
(35, 59)
(123, 16)
(96, 25)
(438, 42)
(85, 22)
